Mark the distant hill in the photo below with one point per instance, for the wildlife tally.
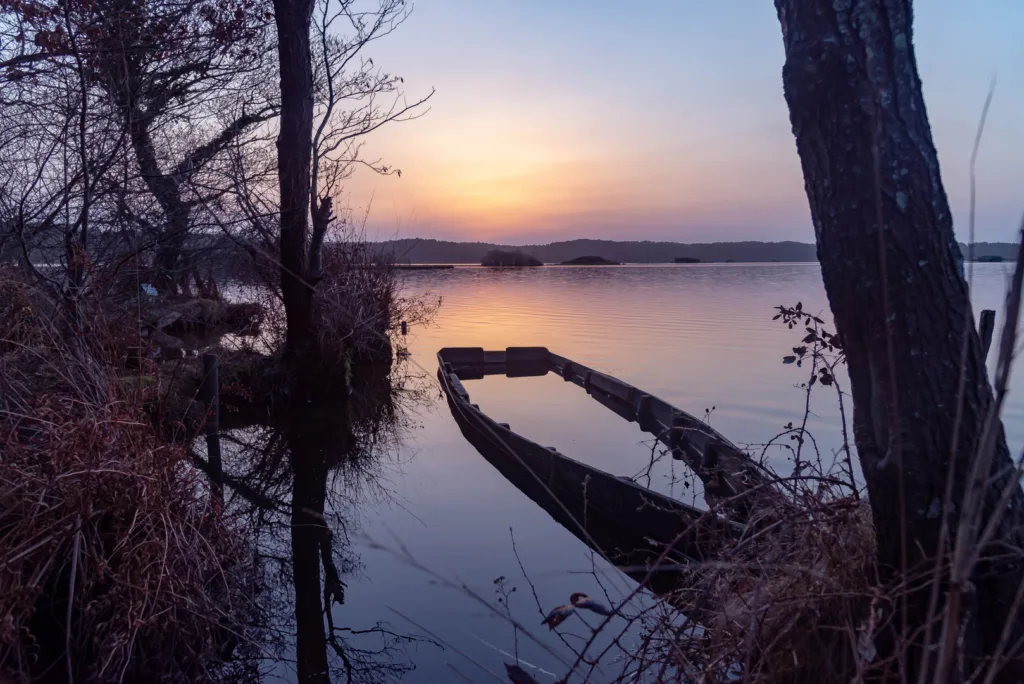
(416, 251)
(427, 251)
(1006, 250)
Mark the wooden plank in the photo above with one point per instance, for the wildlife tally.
(463, 356)
(612, 386)
(619, 407)
(524, 354)
(557, 362)
(494, 357)
(526, 369)
(457, 387)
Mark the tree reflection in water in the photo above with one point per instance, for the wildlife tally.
(297, 485)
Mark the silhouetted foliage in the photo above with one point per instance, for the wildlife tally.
(590, 261)
(497, 257)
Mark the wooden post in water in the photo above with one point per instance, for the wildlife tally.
(210, 394)
(986, 326)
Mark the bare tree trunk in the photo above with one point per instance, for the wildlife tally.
(294, 151)
(167, 192)
(323, 215)
(894, 277)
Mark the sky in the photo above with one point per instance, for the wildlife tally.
(660, 120)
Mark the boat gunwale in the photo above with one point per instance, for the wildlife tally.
(476, 359)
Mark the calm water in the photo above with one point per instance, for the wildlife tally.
(425, 526)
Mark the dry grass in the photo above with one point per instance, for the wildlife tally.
(97, 512)
(115, 563)
(794, 601)
(359, 303)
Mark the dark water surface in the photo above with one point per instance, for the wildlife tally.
(422, 525)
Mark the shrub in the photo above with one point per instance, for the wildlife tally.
(99, 514)
(115, 563)
(359, 303)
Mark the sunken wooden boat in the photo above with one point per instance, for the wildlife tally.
(652, 537)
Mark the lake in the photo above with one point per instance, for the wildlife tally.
(425, 526)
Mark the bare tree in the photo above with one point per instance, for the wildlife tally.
(184, 79)
(294, 154)
(354, 98)
(58, 146)
(344, 98)
(894, 277)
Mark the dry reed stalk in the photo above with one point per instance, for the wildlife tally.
(112, 534)
(115, 564)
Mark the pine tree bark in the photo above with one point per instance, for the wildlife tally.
(294, 151)
(894, 277)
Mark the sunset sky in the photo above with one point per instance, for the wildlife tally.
(663, 119)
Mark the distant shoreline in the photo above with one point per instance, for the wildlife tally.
(417, 251)
(478, 267)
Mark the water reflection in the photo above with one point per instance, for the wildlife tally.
(699, 337)
(297, 485)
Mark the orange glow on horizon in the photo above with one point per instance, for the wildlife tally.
(505, 175)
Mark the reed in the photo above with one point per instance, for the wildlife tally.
(115, 563)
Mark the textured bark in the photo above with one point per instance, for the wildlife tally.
(323, 215)
(894, 278)
(166, 189)
(294, 151)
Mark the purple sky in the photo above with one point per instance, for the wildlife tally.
(557, 119)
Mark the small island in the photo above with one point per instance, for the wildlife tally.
(591, 261)
(423, 267)
(990, 259)
(687, 260)
(501, 258)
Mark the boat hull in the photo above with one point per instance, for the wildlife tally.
(654, 538)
